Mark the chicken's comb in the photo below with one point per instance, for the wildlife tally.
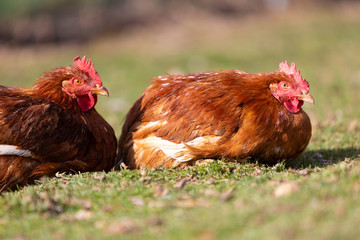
(85, 65)
(291, 72)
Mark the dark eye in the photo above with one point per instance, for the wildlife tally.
(284, 85)
(77, 82)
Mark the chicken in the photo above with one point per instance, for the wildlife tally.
(233, 115)
(53, 127)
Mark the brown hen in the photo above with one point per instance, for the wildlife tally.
(226, 114)
(53, 127)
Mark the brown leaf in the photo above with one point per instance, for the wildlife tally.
(123, 165)
(160, 191)
(257, 171)
(86, 204)
(64, 181)
(189, 203)
(286, 188)
(181, 184)
(155, 221)
(99, 176)
(204, 162)
(143, 172)
(83, 215)
(273, 183)
(107, 208)
(226, 196)
(125, 225)
(303, 172)
(352, 125)
(145, 179)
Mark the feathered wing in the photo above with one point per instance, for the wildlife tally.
(180, 119)
(41, 127)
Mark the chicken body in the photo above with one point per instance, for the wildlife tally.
(225, 114)
(44, 130)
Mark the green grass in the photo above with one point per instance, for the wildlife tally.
(313, 197)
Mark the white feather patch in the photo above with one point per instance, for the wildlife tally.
(152, 124)
(14, 150)
(178, 151)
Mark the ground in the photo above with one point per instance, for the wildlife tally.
(315, 196)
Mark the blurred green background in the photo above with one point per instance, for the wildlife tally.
(131, 41)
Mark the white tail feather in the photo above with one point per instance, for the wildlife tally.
(14, 150)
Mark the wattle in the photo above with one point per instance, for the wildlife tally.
(87, 102)
(293, 105)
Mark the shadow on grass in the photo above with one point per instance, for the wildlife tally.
(322, 157)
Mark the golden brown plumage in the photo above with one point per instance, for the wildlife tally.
(53, 127)
(225, 114)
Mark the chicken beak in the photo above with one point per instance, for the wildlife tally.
(100, 91)
(306, 98)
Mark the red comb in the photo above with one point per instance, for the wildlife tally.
(292, 73)
(86, 66)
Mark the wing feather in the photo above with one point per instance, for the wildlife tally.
(41, 127)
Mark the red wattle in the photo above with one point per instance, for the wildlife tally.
(87, 102)
(293, 105)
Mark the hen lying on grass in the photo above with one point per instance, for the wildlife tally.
(226, 114)
(53, 127)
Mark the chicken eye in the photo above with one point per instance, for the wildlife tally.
(284, 85)
(77, 82)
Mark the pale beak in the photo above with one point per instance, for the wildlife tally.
(306, 98)
(100, 91)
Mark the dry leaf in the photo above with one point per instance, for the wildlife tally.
(126, 225)
(181, 184)
(123, 165)
(286, 188)
(185, 203)
(86, 204)
(303, 172)
(257, 171)
(99, 176)
(155, 221)
(352, 125)
(143, 172)
(273, 183)
(226, 196)
(203, 162)
(145, 179)
(160, 191)
(83, 214)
